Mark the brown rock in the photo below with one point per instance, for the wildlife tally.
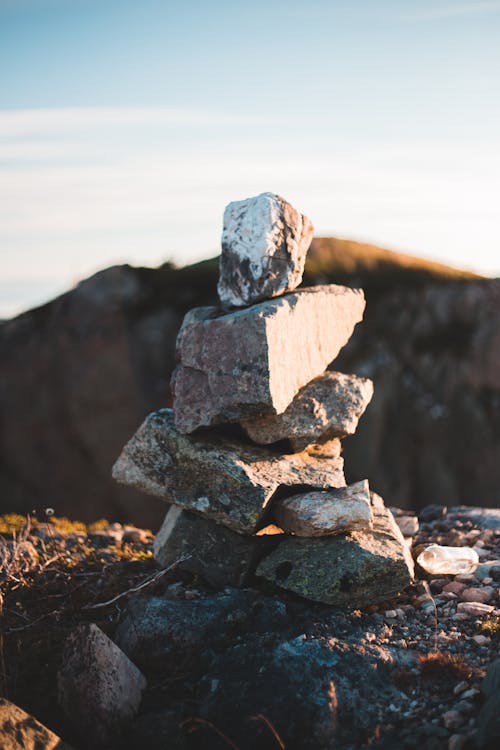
(99, 687)
(474, 609)
(329, 406)
(254, 361)
(20, 731)
(264, 246)
(224, 479)
(335, 511)
(482, 594)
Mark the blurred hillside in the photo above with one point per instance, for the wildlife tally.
(80, 373)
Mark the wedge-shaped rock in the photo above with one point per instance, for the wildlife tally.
(264, 245)
(327, 512)
(348, 571)
(99, 687)
(20, 731)
(229, 481)
(254, 361)
(220, 556)
(329, 406)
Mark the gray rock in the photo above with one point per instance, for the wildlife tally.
(254, 361)
(99, 688)
(406, 520)
(488, 734)
(20, 731)
(264, 245)
(220, 556)
(229, 481)
(326, 512)
(349, 571)
(329, 406)
(157, 632)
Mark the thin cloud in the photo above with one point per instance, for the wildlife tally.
(453, 11)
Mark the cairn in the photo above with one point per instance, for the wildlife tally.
(249, 458)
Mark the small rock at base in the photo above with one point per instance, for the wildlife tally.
(20, 731)
(328, 512)
(264, 246)
(99, 688)
(482, 594)
(474, 609)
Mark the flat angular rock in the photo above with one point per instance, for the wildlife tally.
(329, 406)
(228, 481)
(349, 571)
(264, 245)
(99, 687)
(253, 362)
(323, 513)
(20, 731)
(220, 556)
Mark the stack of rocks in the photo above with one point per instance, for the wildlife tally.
(250, 456)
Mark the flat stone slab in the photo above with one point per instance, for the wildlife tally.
(329, 406)
(327, 512)
(220, 556)
(264, 245)
(349, 571)
(253, 362)
(21, 731)
(229, 481)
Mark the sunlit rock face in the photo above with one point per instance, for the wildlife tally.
(253, 362)
(329, 406)
(264, 245)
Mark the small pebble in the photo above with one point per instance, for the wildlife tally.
(481, 640)
(454, 587)
(452, 719)
(474, 609)
(460, 687)
(482, 594)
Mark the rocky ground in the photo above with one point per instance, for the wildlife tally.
(256, 667)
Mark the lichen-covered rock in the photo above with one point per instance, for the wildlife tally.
(329, 406)
(327, 512)
(99, 687)
(252, 362)
(20, 731)
(226, 480)
(348, 571)
(264, 245)
(220, 556)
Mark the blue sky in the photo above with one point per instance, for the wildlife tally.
(125, 128)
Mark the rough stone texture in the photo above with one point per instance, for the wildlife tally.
(227, 480)
(99, 687)
(158, 632)
(325, 513)
(348, 571)
(407, 522)
(254, 361)
(20, 731)
(220, 556)
(317, 696)
(329, 406)
(264, 245)
(488, 735)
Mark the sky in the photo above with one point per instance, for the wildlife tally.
(127, 126)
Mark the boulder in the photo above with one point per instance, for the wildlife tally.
(220, 556)
(254, 361)
(326, 512)
(20, 731)
(347, 571)
(99, 687)
(223, 478)
(264, 245)
(329, 406)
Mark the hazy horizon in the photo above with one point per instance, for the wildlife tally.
(126, 128)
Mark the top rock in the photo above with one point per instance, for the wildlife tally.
(264, 245)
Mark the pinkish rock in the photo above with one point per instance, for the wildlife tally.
(253, 362)
(335, 511)
(264, 245)
(474, 609)
(99, 687)
(454, 587)
(482, 594)
(329, 406)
